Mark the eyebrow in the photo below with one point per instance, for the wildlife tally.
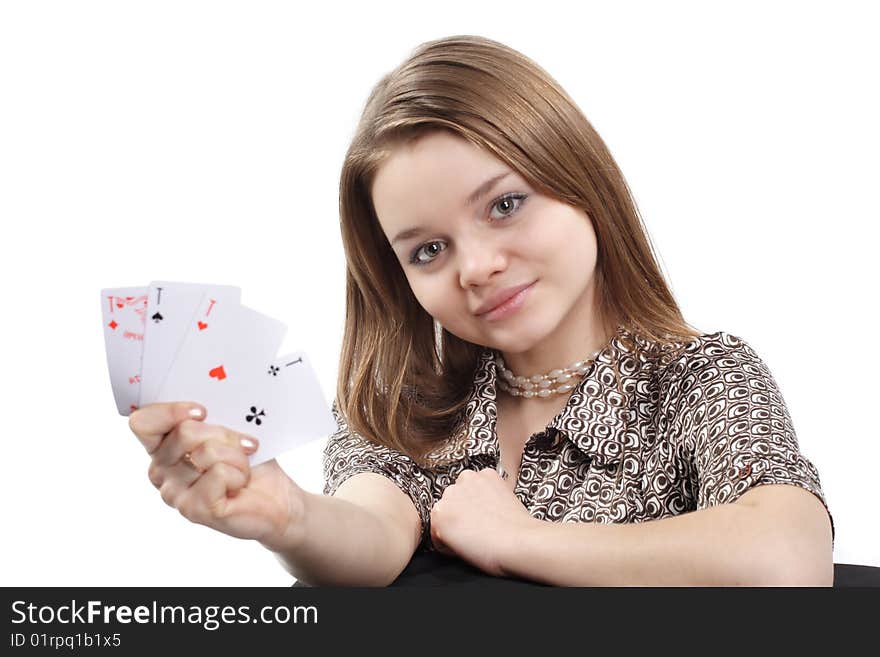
(477, 194)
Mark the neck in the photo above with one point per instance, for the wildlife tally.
(547, 356)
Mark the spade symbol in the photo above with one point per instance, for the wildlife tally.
(157, 317)
(256, 416)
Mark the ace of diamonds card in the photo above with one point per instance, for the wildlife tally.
(124, 314)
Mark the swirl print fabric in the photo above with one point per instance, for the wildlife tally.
(651, 431)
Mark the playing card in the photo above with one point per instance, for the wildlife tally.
(226, 344)
(171, 308)
(284, 407)
(124, 312)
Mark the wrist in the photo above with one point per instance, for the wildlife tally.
(518, 544)
(292, 532)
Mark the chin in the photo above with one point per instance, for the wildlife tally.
(518, 339)
(520, 334)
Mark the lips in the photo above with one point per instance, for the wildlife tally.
(499, 297)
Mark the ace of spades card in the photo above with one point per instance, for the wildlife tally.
(170, 310)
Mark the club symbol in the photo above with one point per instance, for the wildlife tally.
(273, 370)
(256, 416)
(157, 317)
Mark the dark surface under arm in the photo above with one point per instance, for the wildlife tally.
(435, 569)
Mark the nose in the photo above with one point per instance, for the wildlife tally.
(479, 259)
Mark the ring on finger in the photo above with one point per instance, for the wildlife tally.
(187, 458)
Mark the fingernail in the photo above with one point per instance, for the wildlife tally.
(250, 444)
(196, 413)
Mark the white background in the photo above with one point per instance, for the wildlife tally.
(202, 142)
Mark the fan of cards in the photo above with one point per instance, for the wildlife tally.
(188, 342)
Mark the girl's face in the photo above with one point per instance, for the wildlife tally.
(464, 227)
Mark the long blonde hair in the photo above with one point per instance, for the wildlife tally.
(401, 384)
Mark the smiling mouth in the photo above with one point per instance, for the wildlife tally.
(509, 306)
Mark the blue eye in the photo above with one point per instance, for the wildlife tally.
(519, 200)
(415, 256)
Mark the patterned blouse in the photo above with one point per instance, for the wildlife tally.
(651, 431)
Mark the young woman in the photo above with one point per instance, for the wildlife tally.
(517, 385)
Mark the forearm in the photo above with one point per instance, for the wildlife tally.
(339, 543)
(724, 545)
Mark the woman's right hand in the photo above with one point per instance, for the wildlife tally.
(218, 489)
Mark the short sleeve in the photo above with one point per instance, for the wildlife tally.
(347, 453)
(738, 426)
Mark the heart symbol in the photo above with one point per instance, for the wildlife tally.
(119, 305)
(202, 325)
(217, 373)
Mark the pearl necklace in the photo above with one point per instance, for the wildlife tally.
(541, 385)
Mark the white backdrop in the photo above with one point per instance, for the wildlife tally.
(202, 142)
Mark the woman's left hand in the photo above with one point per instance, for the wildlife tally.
(479, 519)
